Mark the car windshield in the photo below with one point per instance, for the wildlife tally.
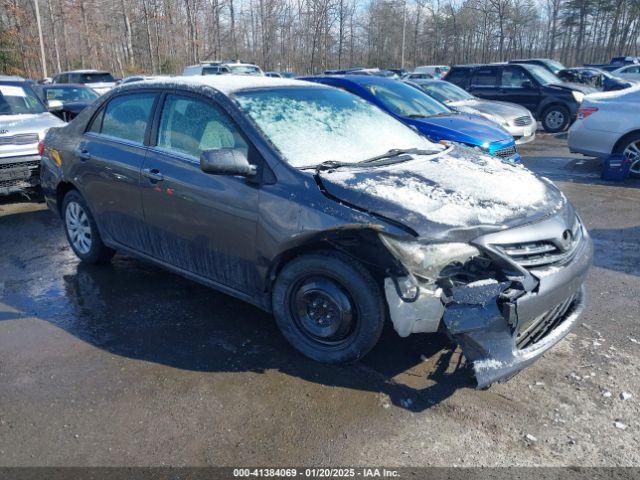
(555, 66)
(96, 77)
(71, 94)
(313, 125)
(19, 100)
(244, 69)
(406, 101)
(445, 92)
(542, 75)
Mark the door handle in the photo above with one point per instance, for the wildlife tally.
(153, 174)
(83, 154)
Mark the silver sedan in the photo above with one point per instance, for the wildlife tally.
(515, 119)
(609, 123)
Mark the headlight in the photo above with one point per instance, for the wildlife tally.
(428, 261)
(494, 118)
(578, 96)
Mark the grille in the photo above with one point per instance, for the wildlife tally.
(15, 182)
(506, 152)
(544, 324)
(544, 253)
(523, 121)
(19, 139)
(7, 166)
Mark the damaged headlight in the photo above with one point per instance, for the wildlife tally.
(429, 261)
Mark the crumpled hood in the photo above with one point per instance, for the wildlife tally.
(456, 195)
(28, 123)
(461, 127)
(500, 109)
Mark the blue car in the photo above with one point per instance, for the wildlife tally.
(430, 117)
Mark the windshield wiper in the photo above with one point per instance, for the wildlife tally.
(395, 152)
(327, 165)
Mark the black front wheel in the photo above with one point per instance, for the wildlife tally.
(329, 307)
(556, 119)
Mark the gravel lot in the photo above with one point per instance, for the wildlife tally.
(130, 365)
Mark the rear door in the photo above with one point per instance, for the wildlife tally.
(201, 223)
(517, 86)
(111, 155)
(484, 83)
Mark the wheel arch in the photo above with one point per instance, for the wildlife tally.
(61, 190)
(624, 138)
(362, 244)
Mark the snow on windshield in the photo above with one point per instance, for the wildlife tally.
(312, 125)
(458, 188)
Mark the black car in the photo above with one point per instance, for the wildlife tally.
(594, 77)
(283, 193)
(66, 101)
(554, 102)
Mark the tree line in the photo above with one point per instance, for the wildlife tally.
(309, 36)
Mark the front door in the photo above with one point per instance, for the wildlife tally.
(484, 83)
(517, 86)
(111, 153)
(204, 224)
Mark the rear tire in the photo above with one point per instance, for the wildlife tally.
(82, 231)
(329, 307)
(556, 118)
(630, 146)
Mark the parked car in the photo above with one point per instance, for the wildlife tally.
(436, 71)
(615, 63)
(595, 77)
(400, 72)
(24, 121)
(609, 123)
(219, 68)
(417, 76)
(225, 188)
(430, 117)
(515, 119)
(97, 80)
(628, 72)
(552, 101)
(552, 65)
(66, 101)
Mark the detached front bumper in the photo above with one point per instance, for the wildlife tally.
(504, 326)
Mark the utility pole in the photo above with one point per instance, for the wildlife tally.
(43, 60)
(404, 31)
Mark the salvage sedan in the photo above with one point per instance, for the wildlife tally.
(314, 204)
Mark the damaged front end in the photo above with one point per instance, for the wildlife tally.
(505, 297)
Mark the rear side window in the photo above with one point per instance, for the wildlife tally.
(459, 76)
(484, 77)
(126, 117)
(190, 126)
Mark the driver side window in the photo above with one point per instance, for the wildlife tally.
(514, 77)
(190, 126)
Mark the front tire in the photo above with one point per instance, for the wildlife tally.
(82, 231)
(629, 146)
(556, 119)
(329, 307)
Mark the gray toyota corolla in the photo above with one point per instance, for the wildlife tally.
(317, 206)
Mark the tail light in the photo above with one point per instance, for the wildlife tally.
(584, 112)
(40, 147)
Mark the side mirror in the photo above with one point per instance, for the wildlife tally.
(527, 85)
(226, 161)
(54, 105)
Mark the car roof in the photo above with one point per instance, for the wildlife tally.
(65, 85)
(357, 79)
(84, 71)
(11, 78)
(226, 84)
